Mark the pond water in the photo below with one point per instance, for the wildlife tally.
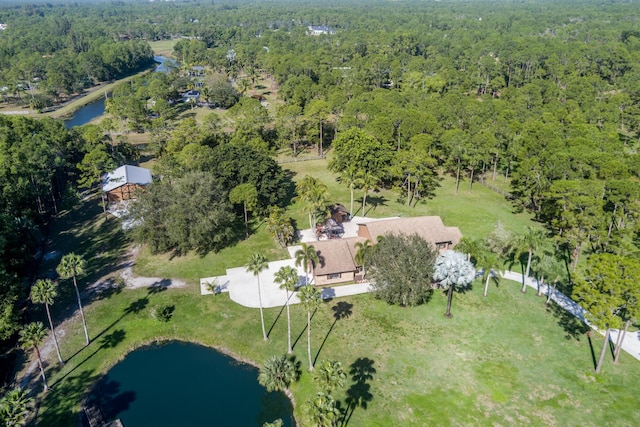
(183, 384)
(90, 111)
(85, 114)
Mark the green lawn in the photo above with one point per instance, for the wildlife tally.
(162, 47)
(501, 360)
(475, 212)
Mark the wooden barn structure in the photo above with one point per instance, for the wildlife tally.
(124, 182)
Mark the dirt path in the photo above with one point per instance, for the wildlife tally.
(115, 281)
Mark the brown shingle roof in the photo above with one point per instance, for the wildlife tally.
(335, 257)
(430, 228)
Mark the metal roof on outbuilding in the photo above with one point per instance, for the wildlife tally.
(126, 174)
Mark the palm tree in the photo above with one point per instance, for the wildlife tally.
(31, 336)
(243, 86)
(287, 277)
(350, 177)
(555, 272)
(363, 251)
(15, 406)
(530, 241)
(367, 181)
(321, 411)
(277, 373)
(329, 375)
(490, 263)
(72, 265)
(256, 265)
(453, 270)
(547, 266)
(471, 247)
(306, 256)
(44, 291)
(314, 196)
(310, 299)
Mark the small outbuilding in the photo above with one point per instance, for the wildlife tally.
(124, 182)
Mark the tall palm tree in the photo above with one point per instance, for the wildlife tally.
(453, 270)
(329, 375)
(15, 406)
(31, 336)
(44, 291)
(287, 278)
(367, 181)
(277, 373)
(72, 266)
(350, 177)
(529, 242)
(306, 256)
(314, 196)
(363, 251)
(310, 299)
(256, 265)
(490, 264)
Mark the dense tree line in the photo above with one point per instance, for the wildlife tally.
(37, 158)
(41, 165)
(544, 97)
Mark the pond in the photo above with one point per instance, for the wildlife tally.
(90, 111)
(85, 114)
(180, 384)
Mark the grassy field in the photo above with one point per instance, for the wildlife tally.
(163, 47)
(502, 360)
(475, 213)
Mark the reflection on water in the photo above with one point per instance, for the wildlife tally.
(85, 114)
(181, 384)
(91, 111)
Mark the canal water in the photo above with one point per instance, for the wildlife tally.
(90, 111)
(183, 384)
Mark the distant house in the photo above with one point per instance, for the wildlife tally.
(316, 30)
(191, 96)
(337, 256)
(124, 182)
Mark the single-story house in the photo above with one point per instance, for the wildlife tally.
(430, 228)
(337, 256)
(124, 182)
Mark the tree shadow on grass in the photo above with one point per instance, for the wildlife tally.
(341, 310)
(359, 394)
(60, 402)
(303, 330)
(573, 327)
(134, 307)
(593, 353)
(278, 316)
(108, 341)
(373, 202)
